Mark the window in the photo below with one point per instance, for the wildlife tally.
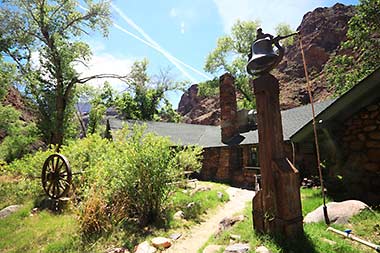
(253, 160)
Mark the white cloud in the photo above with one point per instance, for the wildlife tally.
(270, 13)
(105, 63)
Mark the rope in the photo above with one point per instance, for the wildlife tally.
(327, 221)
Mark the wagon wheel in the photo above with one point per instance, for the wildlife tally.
(56, 176)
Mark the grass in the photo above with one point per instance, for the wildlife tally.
(44, 232)
(315, 239)
(16, 190)
(48, 232)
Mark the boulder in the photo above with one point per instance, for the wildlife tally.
(262, 249)
(9, 210)
(212, 249)
(179, 215)
(117, 250)
(200, 189)
(161, 242)
(235, 237)
(145, 247)
(237, 248)
(338, 212)
(175, 236)
(228, 222)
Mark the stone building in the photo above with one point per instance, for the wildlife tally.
(348, 130)
(349, 134)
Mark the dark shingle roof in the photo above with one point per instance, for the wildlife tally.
(210, 136)
(359, 96)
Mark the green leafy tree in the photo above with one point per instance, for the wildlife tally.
(145, 99)
(49, 31)
(284, 29)
(360, 53)
(101, 100)
(231, 54)
(17, 135)
(7, 77)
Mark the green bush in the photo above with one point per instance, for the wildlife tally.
(133, 175)
(189, 158)
(19, 135)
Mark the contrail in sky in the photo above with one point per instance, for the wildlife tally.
(158, 49)
(150, 42)
(153, 44)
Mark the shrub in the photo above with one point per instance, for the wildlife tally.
(19, 135)
(135, 172)
(93, 214)
(145, 172)
(189, 158)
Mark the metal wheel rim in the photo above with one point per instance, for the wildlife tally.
(56, 176)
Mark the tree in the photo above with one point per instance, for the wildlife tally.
(145, 98)
(49, 31)
(231, 55)
(17, 136)
(101, 100)
(360, 54)
(284, 29)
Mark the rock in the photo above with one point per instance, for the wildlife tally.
(220, 195)
(262, 249)
(145, 247)
(117, 250)
(237, 248)
(190, 205)
(322, 31)
(228, 222)
(179, 215)
(374, 155)
(338, 212)
(235, 237)
(161, 242)
(212, 249)
(9, 210)
(200, 189)
(369, 128)
(374, 135)
(34, 211)
(175, 236)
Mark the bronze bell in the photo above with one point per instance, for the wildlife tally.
(263, 58)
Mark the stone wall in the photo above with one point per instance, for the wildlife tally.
(358, 162)
(227, 164)
(230, 164)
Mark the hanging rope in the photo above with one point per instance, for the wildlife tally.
(309, 88)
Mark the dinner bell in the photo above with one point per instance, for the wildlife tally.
(263, 58)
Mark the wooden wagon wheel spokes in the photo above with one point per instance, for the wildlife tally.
(56, 176)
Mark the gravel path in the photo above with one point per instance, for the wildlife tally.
(199, 234)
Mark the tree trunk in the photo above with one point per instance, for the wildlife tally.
(60, 106)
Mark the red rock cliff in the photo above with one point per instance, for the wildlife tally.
(322, 31)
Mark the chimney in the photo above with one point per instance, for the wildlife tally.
(228, 108)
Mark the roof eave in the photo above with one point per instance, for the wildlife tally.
(356, 98)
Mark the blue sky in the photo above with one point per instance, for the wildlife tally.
(182, 30)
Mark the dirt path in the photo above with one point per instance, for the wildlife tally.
(199, 234)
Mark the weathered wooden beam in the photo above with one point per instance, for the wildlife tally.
(277, 206)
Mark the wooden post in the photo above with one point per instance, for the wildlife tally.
(277, 206)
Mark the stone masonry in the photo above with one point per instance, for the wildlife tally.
(360, 168)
